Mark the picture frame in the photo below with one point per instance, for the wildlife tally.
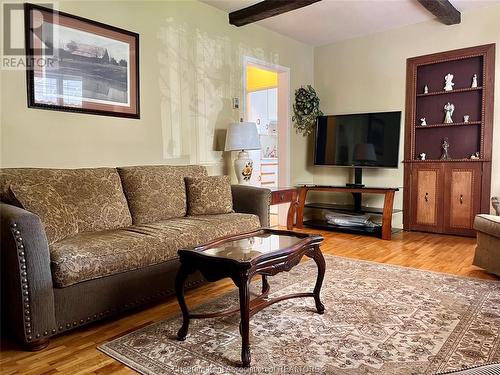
(79, 65)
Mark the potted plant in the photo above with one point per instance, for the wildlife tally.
(305, 110)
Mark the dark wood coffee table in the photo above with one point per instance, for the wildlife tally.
(265, 252)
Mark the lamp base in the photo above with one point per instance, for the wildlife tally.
(243, 166)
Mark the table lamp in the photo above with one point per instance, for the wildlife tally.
(364, 154)
(242, 136)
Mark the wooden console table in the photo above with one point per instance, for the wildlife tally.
(386, 212)
(281, 195)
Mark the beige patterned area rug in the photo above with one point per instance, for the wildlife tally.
(379, 319)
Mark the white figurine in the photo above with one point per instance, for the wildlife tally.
(448, 109)
(426, 90)
(423, 122)
(475, 156)
(448, 79)
(422, 156)
(474, 81)
(466, 118)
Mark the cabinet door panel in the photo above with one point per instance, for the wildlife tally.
(461, 199)
(463, 185)
(426, 198)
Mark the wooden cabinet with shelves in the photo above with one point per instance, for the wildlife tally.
(443, 196)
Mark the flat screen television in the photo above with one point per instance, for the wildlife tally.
(358, 140)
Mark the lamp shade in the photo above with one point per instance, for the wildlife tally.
(242, 136)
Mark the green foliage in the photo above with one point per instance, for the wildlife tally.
(305, 110)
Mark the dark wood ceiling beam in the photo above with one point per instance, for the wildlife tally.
(444, 11)
(265, 9)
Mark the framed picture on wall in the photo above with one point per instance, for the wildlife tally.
(78, 65)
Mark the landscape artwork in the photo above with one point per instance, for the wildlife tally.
(80, 65)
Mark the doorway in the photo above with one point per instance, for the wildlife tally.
(267, 103)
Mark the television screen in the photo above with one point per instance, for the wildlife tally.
(365, 140)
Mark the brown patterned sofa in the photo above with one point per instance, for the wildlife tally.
(107, 243)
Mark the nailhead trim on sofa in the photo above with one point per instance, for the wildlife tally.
(23, 274)
(130, 305)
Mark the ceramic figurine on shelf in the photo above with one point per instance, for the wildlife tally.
(445, 146)
(448, 109)
(422, 156)
(466, 118)
(474, 81)
(448, 82)
(426, 89)
(475, 156)
(423, 122)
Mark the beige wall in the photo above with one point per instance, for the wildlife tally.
(191, 65)
(368, 74)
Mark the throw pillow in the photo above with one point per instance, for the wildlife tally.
(156, 193)
(45, 202)
(209, 195)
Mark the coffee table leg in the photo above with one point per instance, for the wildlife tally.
(317, 256)
(265, 285)
(182, 275)
(245, 320)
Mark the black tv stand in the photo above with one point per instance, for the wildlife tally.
(358, 178)
(357, 186)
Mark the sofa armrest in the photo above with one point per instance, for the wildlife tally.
(27, 290)
(252, 200)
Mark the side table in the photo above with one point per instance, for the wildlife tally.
(281, 195)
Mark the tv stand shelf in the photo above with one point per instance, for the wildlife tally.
(348, 208)
(323, 224)
(384, 231)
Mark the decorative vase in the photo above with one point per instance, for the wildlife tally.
(243, 167)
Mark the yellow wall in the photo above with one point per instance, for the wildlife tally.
(260, 79)
(191, 66)
(369, 74)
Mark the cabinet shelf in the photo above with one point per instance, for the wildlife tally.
(466, 89)
(430, 126)
(447, 160)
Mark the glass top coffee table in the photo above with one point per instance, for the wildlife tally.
(264, 252)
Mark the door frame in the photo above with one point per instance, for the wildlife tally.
(284, 126)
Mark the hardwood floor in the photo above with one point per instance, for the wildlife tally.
(76, 353)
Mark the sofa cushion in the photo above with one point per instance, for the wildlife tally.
(209, 195)
(489, 224)
(90, 256)
(157, 192)
(94, 195)
(44, 201)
